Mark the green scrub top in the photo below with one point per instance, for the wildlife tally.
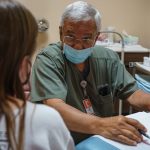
(53, 76)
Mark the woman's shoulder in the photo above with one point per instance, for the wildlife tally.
(46, 124)
(45, 119)
(41, 114)
(41, 111)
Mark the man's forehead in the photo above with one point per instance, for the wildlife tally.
(86, 26)
(80, 23)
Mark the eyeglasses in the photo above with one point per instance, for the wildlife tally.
(70, 40)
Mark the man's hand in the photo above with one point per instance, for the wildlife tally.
(117, 128)
(122, 129)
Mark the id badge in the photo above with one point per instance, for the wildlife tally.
(88, 106)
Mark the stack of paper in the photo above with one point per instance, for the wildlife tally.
(144, 118)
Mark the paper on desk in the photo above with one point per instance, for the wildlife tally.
(144, 118)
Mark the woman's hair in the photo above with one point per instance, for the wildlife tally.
(81, 11)
(18, 31)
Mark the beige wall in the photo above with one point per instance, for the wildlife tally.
(130, 15)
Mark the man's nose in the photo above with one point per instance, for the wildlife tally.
(78, 45)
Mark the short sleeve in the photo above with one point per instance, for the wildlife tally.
(48, 78)
(123, 82)
(112, 71)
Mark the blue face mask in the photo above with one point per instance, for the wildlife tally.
(76, 56)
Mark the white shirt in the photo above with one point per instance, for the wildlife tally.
(44, 130)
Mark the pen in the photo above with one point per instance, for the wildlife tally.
(144, 134)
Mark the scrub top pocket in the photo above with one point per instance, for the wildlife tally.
(105, 105)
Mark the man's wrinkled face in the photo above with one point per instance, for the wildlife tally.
(79, 35)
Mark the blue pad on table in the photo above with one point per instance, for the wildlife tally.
(143, 82)
(95, 143)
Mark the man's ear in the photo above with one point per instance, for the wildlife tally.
(60, 33)
(96, 37)
(25, 69)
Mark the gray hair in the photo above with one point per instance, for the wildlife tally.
(81, 11)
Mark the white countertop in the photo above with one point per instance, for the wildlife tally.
(143, 67)
(128, 48)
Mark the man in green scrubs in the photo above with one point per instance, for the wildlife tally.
(82, 80)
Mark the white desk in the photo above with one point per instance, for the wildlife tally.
(132, 53)
(128, 48)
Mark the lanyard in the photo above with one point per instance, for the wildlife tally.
(83, 84)
(86, 101)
